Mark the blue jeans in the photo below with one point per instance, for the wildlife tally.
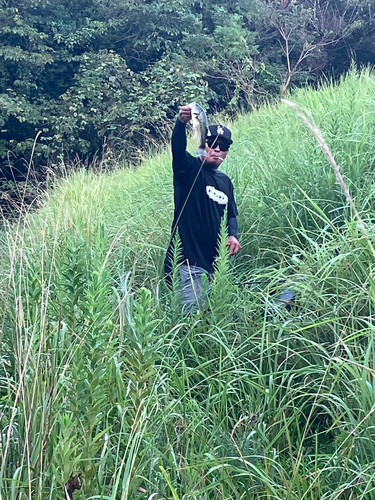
(195, 288)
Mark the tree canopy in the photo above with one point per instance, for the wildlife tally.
(82, 77)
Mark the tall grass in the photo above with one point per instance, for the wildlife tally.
(108, 392)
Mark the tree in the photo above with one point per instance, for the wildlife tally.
(89, 75)
(308, 33)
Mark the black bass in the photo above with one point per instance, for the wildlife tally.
(200, 127)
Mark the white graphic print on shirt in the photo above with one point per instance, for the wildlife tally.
(216, 195)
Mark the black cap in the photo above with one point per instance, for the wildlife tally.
(221, 132)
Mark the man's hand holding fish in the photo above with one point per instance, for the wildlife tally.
(185, 114)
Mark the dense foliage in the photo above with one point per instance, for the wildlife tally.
(105, 387)
(80, 78)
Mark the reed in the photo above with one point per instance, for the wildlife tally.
(108, 392)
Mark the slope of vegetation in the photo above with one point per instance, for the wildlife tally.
(106, 392)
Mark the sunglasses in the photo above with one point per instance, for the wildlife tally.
(223, 146)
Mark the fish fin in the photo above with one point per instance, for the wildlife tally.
(201, 152)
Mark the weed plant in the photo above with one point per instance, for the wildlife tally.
(108, 392)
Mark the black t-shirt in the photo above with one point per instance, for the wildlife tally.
(199, 222)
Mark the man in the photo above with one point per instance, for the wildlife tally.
(201, 195)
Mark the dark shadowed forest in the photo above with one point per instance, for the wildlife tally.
(79, 79)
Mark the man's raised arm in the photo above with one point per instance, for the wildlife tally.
(179, 141)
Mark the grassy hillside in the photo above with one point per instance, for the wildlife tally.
(106, 388)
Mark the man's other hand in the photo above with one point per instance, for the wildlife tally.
(185, 114)
(234, 245)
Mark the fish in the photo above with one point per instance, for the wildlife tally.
(199, 121)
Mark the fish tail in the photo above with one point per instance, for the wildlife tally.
(201, 152)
